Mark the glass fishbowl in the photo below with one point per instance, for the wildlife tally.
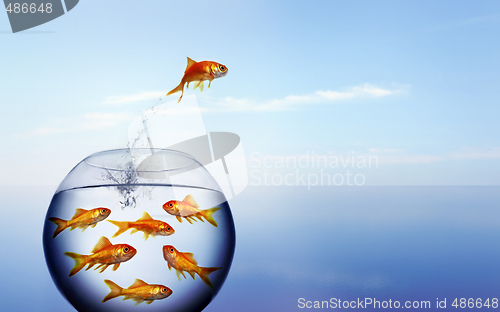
(139, 230)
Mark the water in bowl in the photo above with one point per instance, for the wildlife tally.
(211, 246)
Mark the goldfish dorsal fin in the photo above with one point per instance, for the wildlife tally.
(138, 283)
(190, 63)
(190, 200)
(190, 257)
(79, 212)
(145, 216)
(101, 244)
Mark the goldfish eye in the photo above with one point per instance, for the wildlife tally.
(168, 229)
(164, 290)
(171, 250)
(170, 205)
(222, 68)
(103, 211)
(126, 249)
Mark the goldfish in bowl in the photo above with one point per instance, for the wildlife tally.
(96, 218)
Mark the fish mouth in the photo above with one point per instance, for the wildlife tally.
(131, 253)
(167, 233)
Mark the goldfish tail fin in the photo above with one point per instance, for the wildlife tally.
(208, 215)
(80, 262)
(115, 290)
(204, 272)
(122, 227)
(180, 87)
(61, 225)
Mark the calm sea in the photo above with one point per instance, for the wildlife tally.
(398, 243)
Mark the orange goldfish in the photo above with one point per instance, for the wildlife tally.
(82, 219)
(145, 224)
(103, 253)
(184, 261)
(188, 208)
(139, 291)
(198, 72)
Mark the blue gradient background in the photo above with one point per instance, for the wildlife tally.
(384, 242)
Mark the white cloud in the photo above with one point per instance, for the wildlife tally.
(468, 21)
(122, 99)
(394, 156)
(87, 122)
(384, 150)
(97, 121)
(375, 158)
(293, 101)
(409, 159)
(182, 110)
(42, 131)
(230, 104)
(475, 154)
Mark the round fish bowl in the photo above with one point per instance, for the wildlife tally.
(139, 230)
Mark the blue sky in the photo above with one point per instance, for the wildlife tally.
(414, 83)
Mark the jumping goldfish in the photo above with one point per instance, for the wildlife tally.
(198, 72)
(103, 253)
(188, 208)
(145, 224)
(82, 219)
(139, 291)
(184, 261)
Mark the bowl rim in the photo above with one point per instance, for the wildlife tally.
(151, 151)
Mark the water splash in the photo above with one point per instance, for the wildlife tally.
(125, 180)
